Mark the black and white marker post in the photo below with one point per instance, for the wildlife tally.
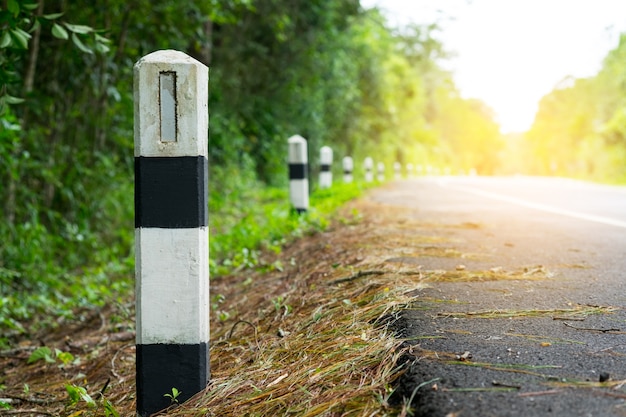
(368, 163)
(298, 173)
(381, 171)
(397, 169)
(348, 167)
(171, 233)
(326, 161)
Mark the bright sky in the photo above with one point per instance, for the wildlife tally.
(510, 53)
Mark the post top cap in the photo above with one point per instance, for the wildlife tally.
(169, 56)
(296, 139)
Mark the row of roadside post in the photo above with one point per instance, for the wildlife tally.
(297, 156)
(171, 223)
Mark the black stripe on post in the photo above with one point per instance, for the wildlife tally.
(325, 168)
(298, 171)
(170, 192)
(177, 363)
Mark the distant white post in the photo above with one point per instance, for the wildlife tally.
(298, 173)
(409, 169)
(348, 167)
(397, 169)
(381, 171)
(171, 228)
(326, 161)
(369, 168)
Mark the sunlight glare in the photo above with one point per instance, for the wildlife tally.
(511, 53)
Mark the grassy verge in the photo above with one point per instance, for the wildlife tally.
(245, 223)
(305, 352)
(262, 220)
(289, 340)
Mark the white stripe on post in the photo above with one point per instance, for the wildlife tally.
(381, 171)
(369, 168)
(326, 161)
(171, 228)
(298, 173)
(348, 167)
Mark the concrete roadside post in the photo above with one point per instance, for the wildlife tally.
(381, 171)
(326, 161)
(369, 168)
(397, 169)
(298, 173)
(409, 170)
(171, 228)
(348, 167)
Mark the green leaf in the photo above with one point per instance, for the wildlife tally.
(77, 393)
(5, 41)
(42, 353)
(80, 45)
(102, 48)
(59, 32)
(87, 398)
(31, 6)
(109, 409)
(35, 27)
(20, 37)
(12, 100)
(13, 7)
(102, 39)
(72, 392)
(52, 16)
(80, 29)
(65, 357)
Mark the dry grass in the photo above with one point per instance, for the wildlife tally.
(334, 358)
(311, 340)
(494, 274)
(288, 342)
(544, 339)
(573, 313)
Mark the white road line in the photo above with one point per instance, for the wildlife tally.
(538, 206)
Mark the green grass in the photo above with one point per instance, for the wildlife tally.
(245, 223)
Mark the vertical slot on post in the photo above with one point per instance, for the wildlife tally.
(168, 102)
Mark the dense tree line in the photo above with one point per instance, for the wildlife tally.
(580, 127)
(325, 69)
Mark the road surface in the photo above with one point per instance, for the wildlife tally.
(537, 321)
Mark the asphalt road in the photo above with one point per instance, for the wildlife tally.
(535, 345)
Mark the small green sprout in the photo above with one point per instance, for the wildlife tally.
(173, 396)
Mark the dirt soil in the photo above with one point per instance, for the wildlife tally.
(470, 341)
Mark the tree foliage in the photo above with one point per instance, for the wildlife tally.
(579, 129)
(325, 69)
